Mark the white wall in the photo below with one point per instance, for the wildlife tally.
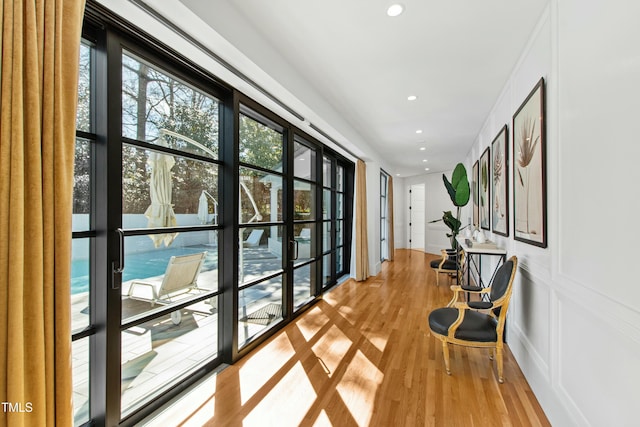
(436, 202)
(574, 322)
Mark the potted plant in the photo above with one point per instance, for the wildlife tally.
(459, 191)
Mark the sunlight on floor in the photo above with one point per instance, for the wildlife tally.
(311, 323)
(294, 388)
(358, 388)
(198, 404)
(331, 349)
(379, 341)
(323, 420)
(256, 372)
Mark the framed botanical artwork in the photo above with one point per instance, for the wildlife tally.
(474, 193)
(500, 183)
(483, 190)
(529, 169)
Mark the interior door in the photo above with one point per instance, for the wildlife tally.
(416, 217)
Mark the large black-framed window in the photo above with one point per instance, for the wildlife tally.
(337, 207)
(175, 170)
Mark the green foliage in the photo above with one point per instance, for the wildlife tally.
(484, 176)
(459, 192)
(259, 144)
(452, 222)
(458, 188)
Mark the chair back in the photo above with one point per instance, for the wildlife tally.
(305, 233)
(502, 280)
(254, 238)
(182, 273)
(501, 293)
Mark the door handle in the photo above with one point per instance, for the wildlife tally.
(294, 243)
(118, 267)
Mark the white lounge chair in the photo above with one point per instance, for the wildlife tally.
(305, 234)
(254, 238)
(180, 278)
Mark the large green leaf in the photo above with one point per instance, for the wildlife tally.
(459, 174)
(450, 189)
(463, 192)
(458, 188)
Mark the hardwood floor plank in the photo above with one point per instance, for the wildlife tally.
(364, 356)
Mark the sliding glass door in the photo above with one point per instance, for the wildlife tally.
(262, 236)
(169, 233)
(202, 223)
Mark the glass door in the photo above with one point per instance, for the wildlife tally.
(262, 248)
(306, 226)
(170, 230)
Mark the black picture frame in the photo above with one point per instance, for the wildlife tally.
(500, 183)
(484, 189)
(474, 195)
(529, 169)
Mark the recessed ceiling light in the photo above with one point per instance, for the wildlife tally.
(419, 131)
(426, 169)
(424, 160)
(395, 9)
(301, 159)
(423, 148)
(397, 174)
(412, 97)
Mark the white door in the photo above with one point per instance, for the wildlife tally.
(416, 217)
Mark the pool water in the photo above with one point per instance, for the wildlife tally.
(142, 265)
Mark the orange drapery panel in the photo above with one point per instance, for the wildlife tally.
(39, 77)
(362, 248)
(392, 246)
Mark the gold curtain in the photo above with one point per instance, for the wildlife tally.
(362, 249)
(392, 246)
(40, 47)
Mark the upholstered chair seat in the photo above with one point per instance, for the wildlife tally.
(450, 263)
(475, 326)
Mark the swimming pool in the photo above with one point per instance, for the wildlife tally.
(141, 265)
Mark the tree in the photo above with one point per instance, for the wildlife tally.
(153, 101)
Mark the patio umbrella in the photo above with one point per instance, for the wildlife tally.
(203, 208)
(160, 212)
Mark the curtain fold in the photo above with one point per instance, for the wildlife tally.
(392, 246)
(38, 95)
(362, 247)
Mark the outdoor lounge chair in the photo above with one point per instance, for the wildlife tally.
(305, 234)
(254, 238)
(180, 278)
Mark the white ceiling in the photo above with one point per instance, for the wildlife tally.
(454, 55)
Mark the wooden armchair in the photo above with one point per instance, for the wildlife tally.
(477, 323)
(448, 264)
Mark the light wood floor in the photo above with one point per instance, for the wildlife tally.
(363, 356)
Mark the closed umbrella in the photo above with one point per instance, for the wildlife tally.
(203, 208)
(160, 212)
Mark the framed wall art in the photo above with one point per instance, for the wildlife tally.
(474, 194)
(484, 190)
(500, 183)
(529, 169)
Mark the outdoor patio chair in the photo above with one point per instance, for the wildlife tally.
(180, 278)
(254, 238)
(305, 234)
